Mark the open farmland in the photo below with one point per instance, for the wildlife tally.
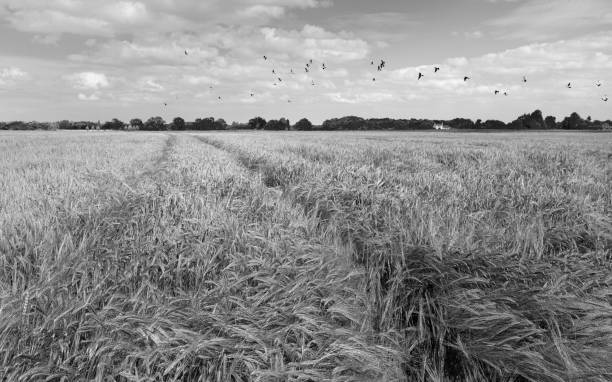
(305, 256)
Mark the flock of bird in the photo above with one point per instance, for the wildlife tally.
(310, 66)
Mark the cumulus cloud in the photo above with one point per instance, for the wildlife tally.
(11, 75)
(89, 80)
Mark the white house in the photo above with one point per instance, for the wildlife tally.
(440, 126)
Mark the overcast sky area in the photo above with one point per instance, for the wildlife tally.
(97, 60)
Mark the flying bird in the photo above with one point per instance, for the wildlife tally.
(436, 69)
(604, 98)
(371, 62)
(280, 79)
(219, 97)
(466, 78)
(569, 85)
(374, 79)
(265, 57)
(323, 66)
(306, 70)
(421, 75)
(524, 79)
(165, 104)
(273, 71)
(186, 54)
(506, 94)
(292, 71)
(598, 84)
(252, 94)
(313, 83)
(496, 92)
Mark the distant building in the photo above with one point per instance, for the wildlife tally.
(440, 126)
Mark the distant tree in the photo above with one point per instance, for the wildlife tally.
(535, 121)
(136, 123)
(155, 124)
(460, 123)
(115, 124)
(303, 125)
(493, 124)
(257, 123)
(344, 123)
(285, 122)
(421, 124)
(550, 122)
(220, 124)
(574, 122)
(17, 125)
(178, 123)
(274, 124)
(3, 126)
(238, 126)
(204, 124)
(65, 125)
(478, 124)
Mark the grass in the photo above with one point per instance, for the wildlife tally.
(305, 257)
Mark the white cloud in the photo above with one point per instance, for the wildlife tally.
(91, 97)
(538, 20)
(89, 80)
(11, 75)
(113, 17)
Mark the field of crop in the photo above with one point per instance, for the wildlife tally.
(305, 256)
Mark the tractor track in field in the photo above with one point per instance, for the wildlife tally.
(255, 165)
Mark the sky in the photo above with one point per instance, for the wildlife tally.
(97, 60)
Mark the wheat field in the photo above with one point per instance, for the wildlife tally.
(310, 256)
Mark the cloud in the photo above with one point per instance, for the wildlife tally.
(114, 17)
(11, 75)
(91, 97)
(89, 80)
(538, 20)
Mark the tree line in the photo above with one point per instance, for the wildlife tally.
(533, 121)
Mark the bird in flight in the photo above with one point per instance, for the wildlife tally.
(265, 57)
(252, 94)
(569, 85)
(466, 78)
(436, 69)
(598, 84)
(506, 94)
(604, 98)
(219, 98)
(313, 83)
(496, 92)
(372, 62)
(288, 101)
(165, 104)
(306, 70)
(421, 75)
(323, 66)
(524, 79)
(292, 71)
(273, 71)
(374, 79)
(186, 54)
(280, 79)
